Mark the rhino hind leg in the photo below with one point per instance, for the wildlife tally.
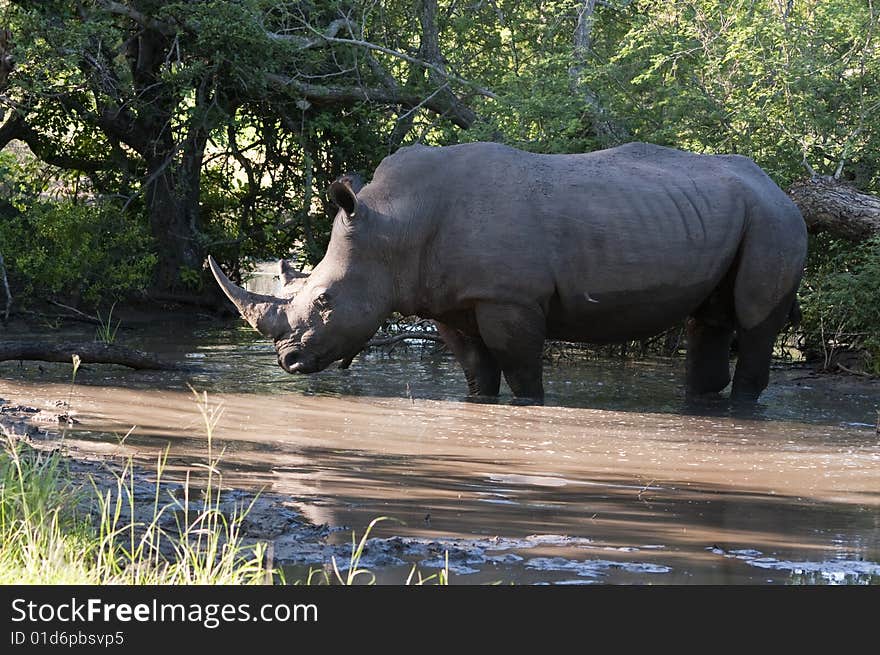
(768, 273)
(756, 351)
(515, 336)
(708, 356)
(709, 336)
(482, 371)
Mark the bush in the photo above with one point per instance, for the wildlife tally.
(92, 252)
(77, 247)
(840, 300)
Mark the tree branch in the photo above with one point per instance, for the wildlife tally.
(11, 129)
(829, 205)
(44, 151)
(17, 128)
(89, 353)
(141, 19)
(305, 43)
(405, 57)
(322, 94)
(404, 336)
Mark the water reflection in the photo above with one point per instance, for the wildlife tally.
(638, 484)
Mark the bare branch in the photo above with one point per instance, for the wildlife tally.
(405, 57)
(324, 94)
(422, 103)
(90, 353)
(829, 205)
(404, 336)
(304, 43)
(810, 169)
(82, 316)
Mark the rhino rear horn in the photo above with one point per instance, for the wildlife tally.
(288, 272)
(264, 313)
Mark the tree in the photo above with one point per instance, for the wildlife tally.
(782, 82)
(139, 95)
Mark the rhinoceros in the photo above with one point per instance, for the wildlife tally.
(505, 248)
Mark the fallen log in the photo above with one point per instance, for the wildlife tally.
(829, 205)
(89, 353)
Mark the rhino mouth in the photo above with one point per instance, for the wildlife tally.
(295, 361)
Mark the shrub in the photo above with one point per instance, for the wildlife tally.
(840, 300)
(74, 246)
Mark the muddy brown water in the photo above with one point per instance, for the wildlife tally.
(615, 480)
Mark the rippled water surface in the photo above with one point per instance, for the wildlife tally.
(615, 480)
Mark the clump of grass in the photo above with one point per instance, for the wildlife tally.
(54, 533)
(106, 331)
(354, 572)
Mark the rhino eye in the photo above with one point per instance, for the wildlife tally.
(323, 301)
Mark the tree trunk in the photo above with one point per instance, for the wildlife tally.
(608, 131)
(6, 290)
(174, 160)
(829, 205)
(89, 352)
(173, 204)
(171, 216)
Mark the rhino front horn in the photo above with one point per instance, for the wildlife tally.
(264, 313)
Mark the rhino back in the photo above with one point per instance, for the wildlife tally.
(612, 244)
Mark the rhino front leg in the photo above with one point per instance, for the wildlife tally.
(481, 370)
(515, 335)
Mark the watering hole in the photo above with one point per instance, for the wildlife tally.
(615, 480)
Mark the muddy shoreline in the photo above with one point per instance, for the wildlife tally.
(294, 543)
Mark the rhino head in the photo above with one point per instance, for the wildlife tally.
(330, 314)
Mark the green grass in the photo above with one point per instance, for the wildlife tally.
(56, 530)
(106, 331)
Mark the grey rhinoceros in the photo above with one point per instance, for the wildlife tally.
(504, 249)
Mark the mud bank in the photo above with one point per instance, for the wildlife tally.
(271, 518)
(267, 517)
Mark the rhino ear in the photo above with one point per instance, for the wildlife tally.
(343, 192)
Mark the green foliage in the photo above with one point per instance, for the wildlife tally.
(840, 301)
(76, 250)
(104, 333)
(780, 82)
(69, 247)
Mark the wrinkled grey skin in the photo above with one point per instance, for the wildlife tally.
(505, 249)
